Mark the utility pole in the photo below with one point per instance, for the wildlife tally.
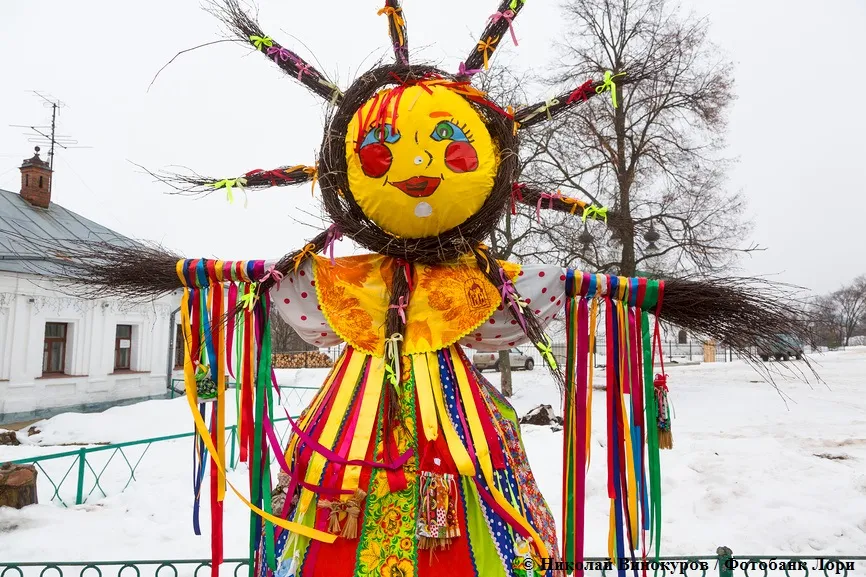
(51, 138)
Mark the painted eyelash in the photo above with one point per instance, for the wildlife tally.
(465, 128)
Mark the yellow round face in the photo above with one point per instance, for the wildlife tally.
(420, 159)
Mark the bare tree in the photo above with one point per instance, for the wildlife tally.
(655, 159)
(841, 314)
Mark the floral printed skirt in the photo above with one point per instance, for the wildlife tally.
(430, 479)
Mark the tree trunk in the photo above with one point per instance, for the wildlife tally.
(17, 485)
(505, 373)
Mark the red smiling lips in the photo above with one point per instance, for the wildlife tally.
(418, 186)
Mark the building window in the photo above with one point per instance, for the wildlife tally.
(178, 348)
(54, 353)
(26, 180)
(40, 182)
(122, 347)
(682, 338)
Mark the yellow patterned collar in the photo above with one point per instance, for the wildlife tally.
(448, 301)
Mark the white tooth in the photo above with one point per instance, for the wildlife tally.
(423, 210)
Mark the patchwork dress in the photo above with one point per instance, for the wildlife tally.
(444, 486)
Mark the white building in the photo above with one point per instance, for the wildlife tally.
(59, 352)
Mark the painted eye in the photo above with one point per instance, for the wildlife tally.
(447, 130)
(380, 135)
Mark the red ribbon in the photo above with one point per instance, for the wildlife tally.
(580, 92)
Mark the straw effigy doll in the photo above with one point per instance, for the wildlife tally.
(407, 462)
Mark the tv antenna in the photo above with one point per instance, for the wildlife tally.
(47, 135)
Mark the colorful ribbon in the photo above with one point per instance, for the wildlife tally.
(485, 46)
(401, 308)
(302, 68)
(392, 351)
(508, 15)
(547, 352)
(394, 13)
(249, 299)
(609, 84)
(598, 212)
(541, 198)
(272, 272)
(278, 52)
(228, 184)
(513, 4)
(331, 236)
(468, 72)
(580, 92)
(260, 41)
(306, 252)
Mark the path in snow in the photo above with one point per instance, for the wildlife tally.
(743, 473)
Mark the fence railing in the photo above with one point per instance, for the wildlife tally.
(89, 473)
(723, 564)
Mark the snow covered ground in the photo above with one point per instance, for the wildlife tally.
(755, 469)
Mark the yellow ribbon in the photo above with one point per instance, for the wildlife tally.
(249, 299)
(261, 41)
(510, 110)
(609, 85)
(487, 45)
(392, 352)
(307, 251)
(574, 203)
(314, 172)
(482, 250)
(394, 13)
(547, 353)
(599, 212)
(513, 4)
(228, 184)
(550, 102)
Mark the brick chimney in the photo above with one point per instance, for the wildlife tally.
(36, 181)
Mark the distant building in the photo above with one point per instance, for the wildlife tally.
(59, 352)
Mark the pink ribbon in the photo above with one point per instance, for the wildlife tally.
(401, 308)
(463, 71)
(303, 68)
(273, 272)
(508, 15)
(333, 234)
(278, 52)
(509, 298)
(542, 197)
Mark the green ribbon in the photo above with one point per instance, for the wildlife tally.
(249, 299)
(261, 41)
(228, 184)
(547, 353)
(513, 4)
(392, 352)
(597, 212)
(609, 85)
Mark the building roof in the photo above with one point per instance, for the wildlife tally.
(43, 225)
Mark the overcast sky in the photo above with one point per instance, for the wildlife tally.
(797, 126)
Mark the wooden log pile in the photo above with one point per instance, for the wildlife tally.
(306, 360)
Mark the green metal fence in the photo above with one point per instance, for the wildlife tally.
(723, 564)
(88, 473)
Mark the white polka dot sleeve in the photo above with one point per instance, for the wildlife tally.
(298, 304)
(543, 289)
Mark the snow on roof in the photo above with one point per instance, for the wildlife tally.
(55, 223)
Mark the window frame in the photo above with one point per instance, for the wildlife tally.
(47, 349)
(178, 348)
(118, 349)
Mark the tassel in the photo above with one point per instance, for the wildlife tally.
(337, 510)
(353, 510)
(437, 516)
(666, 440)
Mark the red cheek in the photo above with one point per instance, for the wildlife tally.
(375, 160)
(461, 157)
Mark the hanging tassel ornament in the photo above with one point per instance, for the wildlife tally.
(666, 440)
(437, 517)
(353, 510)
(337, 511)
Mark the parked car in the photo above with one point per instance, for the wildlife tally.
(781, 348)
(519, 360)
